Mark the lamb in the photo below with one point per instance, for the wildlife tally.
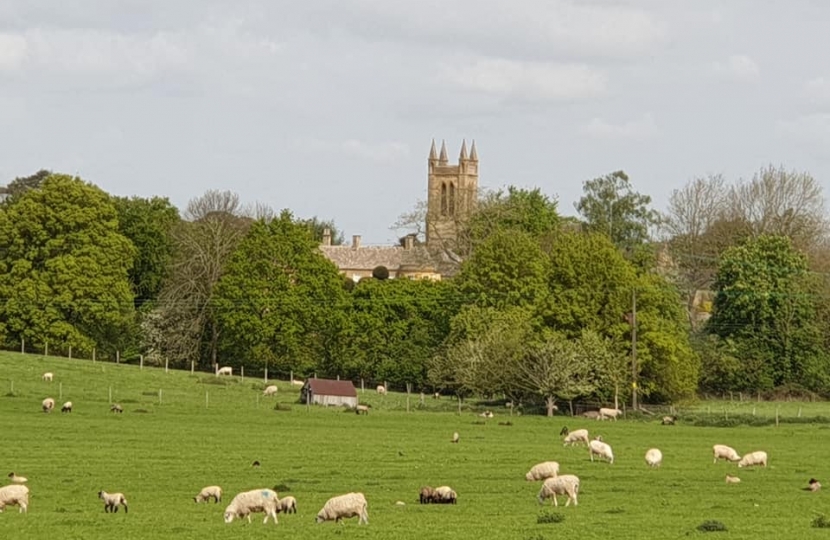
(567, 484)
(381, 390)
(207, 493)
(654, 457)
(542, 471)
(669, 420)
(14, 479)
(732, 479)
(270, 391)
(579, 435)
(116, 408)
(609, 413)
(813, 485)
(361, 409)
(256, 500)
(601, 449)
(753, 458)
(445, 495)
(486, 414)
(721, 451)
(112, 501)
(47, 376)
(226, 370)
(14, 494)
(426, 495)
(287, 505)
(47, 404)
(345, 506)
(67, 407)
(455, 437)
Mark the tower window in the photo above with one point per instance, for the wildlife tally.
(452, 199)
(443, 199)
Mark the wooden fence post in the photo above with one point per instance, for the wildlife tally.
(70, 352)
(265, 379)
(117, 357)
(207, 399)
(192, 366)
(362, 386)
(166, 364)
(110, 394)
(140, 361)
(46, 349)
(159, 396)
(22, 346)
(93, 355)
(242, 371)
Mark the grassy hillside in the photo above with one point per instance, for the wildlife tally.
(160, 452)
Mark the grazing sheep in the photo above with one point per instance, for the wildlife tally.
(112, 501)
(345, 506)
(579, 435)
(721, 451)
(601, 449)
(207, 493)
(361, 409)
(226, 370)
(295, 382)
(813, 485)
(542, 471)
(67, 407)
(47, 404)
(47, 376)
(287, 505)
(14, 495)
(669, 420)
(14, 479)
(436, 395)
(381, 390)
(567, 484)
(248, 502)
(455, 437)
(486, 414)
(270, 391)
(116, 408)
(609, 413)
(753, 458)
(593, 415)
(732, 479)
(445, 495)
(654, 457)
(426, 495)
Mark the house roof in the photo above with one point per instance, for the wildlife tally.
(369, 257)
(328, 387)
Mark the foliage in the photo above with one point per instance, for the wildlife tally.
(318, 227)
(21, 185)
(550, 517)
(820, 522)
(380, 272)
(517, 210)
(711, 526)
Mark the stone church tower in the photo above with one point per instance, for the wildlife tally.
(452, 192)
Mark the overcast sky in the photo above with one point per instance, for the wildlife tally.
(328, 107)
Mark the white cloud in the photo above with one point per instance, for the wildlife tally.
(529, 81)
(373, 151)
(738, 67)
(817, 92)
(639, 129)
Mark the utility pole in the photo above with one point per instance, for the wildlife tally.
(634, 349)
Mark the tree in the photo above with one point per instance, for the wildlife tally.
(611, 206)
(64, 272)
(20, 185)
(318, 227)
(380, 272)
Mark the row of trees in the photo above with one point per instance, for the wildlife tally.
(543, 308)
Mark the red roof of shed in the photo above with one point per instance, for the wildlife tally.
(328, 387)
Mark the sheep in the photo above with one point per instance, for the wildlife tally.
(669, 420)
(436, 395)
(116, 408)
(486, 414)
(345, 506)
(208, 492)
(381, 390)
(14, 479)
(248, 502)
(732, 479)
(287, 505)
(654, 457)
(567, 484)
(753, 458)
(591, 415)
(295, 382)
(226, 370)
(445, 495)
(579, 435)
(542, 471)
(47, 376)
(112, 501)
(47, 404)
(361, 409)
(67, 407)
(601, 449)
(721, 451)
(813, 485)
(426, 495)
(270, 390)
(14, 494)
(455, 437)
(609, 413)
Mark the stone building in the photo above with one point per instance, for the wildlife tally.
(409, 261)
(452, 192)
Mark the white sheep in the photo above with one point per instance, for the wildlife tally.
(721, 451)
(256, 500)
(345, 506)
(732, 479)
(47, 404)
(14, 479)
(47, 376)
(112, 501)
(295, 382)
(601, 449)
(542, 471)
(270, 390)
(361, 409)
(753, 458)
(14, 495)
(287, 505)
(654, 457)
(226, 370)
(67, 407)
(609, 413)
(579, 435)
(567, 484)
(455, 437)
(208, 492)
(444, 495)
(381, 390)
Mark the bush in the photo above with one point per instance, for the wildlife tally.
(549, 517)
(821, 522)
(380, 272)
(711, 526)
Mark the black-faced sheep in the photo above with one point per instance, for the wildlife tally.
(813, 485)
(112, 501)
(444, 495)
(426, 494)
(116, 408)
(67, 407)
(361, 409)
(14, 479)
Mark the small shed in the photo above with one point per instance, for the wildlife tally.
(328, 392)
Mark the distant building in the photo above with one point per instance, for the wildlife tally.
(328, 392)
(452, 194)
(409, 261)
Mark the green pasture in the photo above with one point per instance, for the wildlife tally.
(164, 448)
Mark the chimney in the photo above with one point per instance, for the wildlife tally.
(409, 241)
(326, 236)
(355, 241)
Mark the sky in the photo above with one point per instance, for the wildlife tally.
(328, 107)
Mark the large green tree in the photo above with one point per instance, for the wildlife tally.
(22, 184)
(64, 267)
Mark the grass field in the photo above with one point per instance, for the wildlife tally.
(161, 452)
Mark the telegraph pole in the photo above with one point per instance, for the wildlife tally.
(634, 349)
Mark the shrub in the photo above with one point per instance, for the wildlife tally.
(380, 272)
(711, 526)
(821, 522)
(282, 407)
(549, 517)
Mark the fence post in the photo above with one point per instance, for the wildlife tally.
(242, 371)
(265, 380)
(117, 357)
(93, 355)
(166, 364)
(192, 366)
(159, 396)
(408, 390)
(22, 346)
(776, 415)
(46, 349)
(70, 352)
(362, 387)
(291, 374)
(110, 394)
(140, 361)
(207, 399)
(338, 377)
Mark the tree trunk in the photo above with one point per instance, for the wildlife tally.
(551, 405)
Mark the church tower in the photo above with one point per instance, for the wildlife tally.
(452, 192)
